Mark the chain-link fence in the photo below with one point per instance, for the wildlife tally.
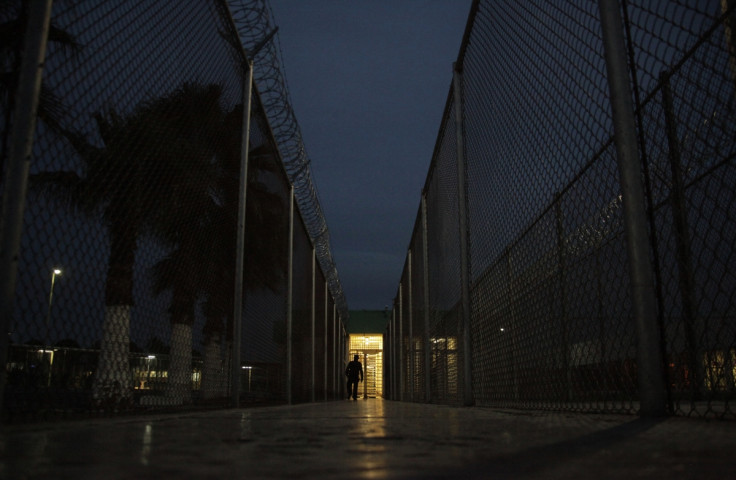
(525, 186)
(125, 291)
(254, 22)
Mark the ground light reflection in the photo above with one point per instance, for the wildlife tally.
(146, 448)
(369, 440)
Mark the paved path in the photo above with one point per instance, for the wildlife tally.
(371, 439)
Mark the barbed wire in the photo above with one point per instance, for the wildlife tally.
(254, 22)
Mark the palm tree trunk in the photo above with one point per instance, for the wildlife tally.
(179, 385)
(226, 378)
(113, 380)
(213, 370)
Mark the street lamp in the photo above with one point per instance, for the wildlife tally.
(250, 373)
(148, 370)
(54, 273)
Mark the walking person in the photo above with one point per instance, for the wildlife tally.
(354, 372)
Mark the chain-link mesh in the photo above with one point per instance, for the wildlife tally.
(420, 334)
(403, 302)
(301, 338)
(318, 347)
(551, 314)
(263, 337)
(443, 249)
(254, 21)
(688, 126)
(126, 275)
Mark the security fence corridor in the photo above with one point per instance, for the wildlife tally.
(574, 244)
(162, 247)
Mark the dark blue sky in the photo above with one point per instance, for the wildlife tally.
(368, 83)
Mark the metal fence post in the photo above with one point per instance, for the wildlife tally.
(394, 396)
(425, 286)
(326, 341)
(561, 267)
(365, 379)
(240, 250)
(387, 361)
(511, 294)
(313, 318)
(462, 201)
(290, 296)
(335, 365)
(649, 356)
(411, 329)
(401, 341)
(23, 127)
(682, 238)
(345, 353)
(728, 32)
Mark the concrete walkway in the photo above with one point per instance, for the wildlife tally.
(371, 439)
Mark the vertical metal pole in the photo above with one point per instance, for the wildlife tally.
(345, 353)
(462, 201)
(335, 366)
(649, 350)
(240, 249)
(425, 286)
(394, 395)
(728, 27)
(290, 297)
(324, 345)
(600, 309)
(411, 329)
(313, 318)
(682, 240)
(510, 295)
(365, 375)
(401, 342)
(388, 363)
(561, 267)
(23, 127)
(48, 311)
(390, 359)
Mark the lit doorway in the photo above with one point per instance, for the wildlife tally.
(369, 348)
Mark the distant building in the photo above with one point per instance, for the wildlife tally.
(365, 338)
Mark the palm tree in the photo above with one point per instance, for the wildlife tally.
(147, 169)
(265, 247)
(183, 271)
(265, 263)
(179, 272)
(202, 264)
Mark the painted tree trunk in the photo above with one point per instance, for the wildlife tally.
(226, 378)
(179, 384)
(113, 381)
(213, 381)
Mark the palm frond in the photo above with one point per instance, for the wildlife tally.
(66, 187)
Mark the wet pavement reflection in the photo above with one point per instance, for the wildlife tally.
(369, 439)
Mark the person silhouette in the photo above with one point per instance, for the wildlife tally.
(354, 372)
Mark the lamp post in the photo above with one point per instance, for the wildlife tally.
(148, 370)
(54, 273)
(250, 373)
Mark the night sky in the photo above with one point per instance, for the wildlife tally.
(368, 82)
